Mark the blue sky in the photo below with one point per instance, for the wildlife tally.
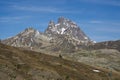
(99, 19)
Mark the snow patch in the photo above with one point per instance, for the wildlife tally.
(57, 24)
(62, 30)
(67, 24)
(95, 70)
(37, 33)
(64, 23)
(94, 42)
(49, 27)
(58, 32)
(85, 38)
(31, 39)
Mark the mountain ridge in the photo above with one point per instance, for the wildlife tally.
(107, 45)
(64, 32)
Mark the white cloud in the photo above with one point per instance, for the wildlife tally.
(44, 9)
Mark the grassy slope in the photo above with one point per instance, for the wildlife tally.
(16, 64)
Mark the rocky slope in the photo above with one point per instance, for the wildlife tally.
(29, 39)
(18, 64)
(103, 54)
(67, 27)
(65, 34)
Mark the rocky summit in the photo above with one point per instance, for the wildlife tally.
(67, 27)
(65, 33)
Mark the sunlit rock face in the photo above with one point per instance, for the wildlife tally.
(67, 27)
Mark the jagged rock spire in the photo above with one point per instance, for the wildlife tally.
(67, 27)
(61, 19)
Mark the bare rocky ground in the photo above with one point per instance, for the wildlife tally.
(105, 58)
(18, 64)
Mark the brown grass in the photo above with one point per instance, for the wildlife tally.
(29, 65)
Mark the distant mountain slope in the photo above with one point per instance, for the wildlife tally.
(17, 64)
(29, 39)
(107, 45)
(25, 38)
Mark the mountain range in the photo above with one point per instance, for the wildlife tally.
(66, 39)
(65, 33)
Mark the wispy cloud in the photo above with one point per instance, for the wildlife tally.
(37, 9)
(112, 23)
(110, 2)
(116, 24)
(13, 18)
(95, 22)
(107, 29)
(44, 9)
(105, 2)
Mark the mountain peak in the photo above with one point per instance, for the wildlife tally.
(61, 19)
(67, 22)
(51, 23)
(29, 29)
(65, 32)
(66, 27)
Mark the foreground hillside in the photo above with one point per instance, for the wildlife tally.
(17, 64)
